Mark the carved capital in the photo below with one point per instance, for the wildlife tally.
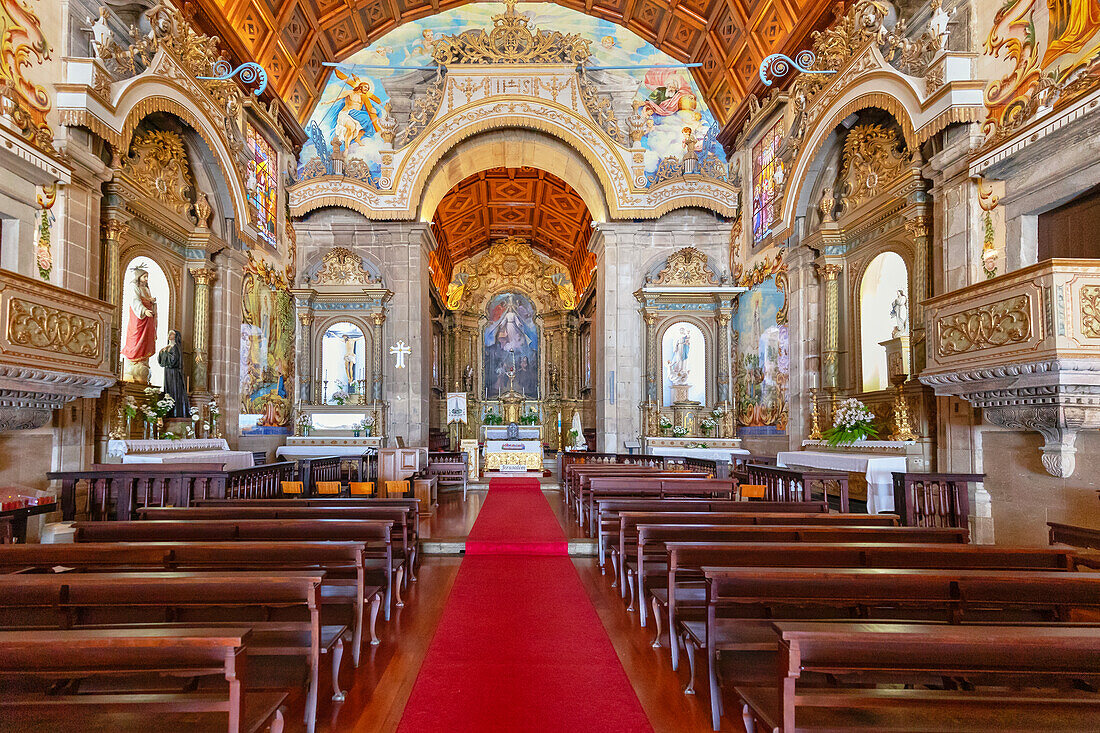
(829, 270)
(919, 226)
(114, 229)
(722, 318)
(305, 318)
(204, 275)
(379, 318)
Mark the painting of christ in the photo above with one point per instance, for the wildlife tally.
(510, 343)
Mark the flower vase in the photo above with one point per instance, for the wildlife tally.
(355, 433)
(366, 432)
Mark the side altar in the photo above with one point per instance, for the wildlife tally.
(513, 447)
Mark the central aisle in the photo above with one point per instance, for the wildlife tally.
(519, 646)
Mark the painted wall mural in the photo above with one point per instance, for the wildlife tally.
(763, 358)
(1051, 55)
(267, 350)
(510, 343)
(356, 94)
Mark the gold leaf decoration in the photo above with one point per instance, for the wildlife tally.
(43, 327)
(510, 263)
(985, 327)
(511, 41)
(341, 266)
(686, 267)
(158, 164)
(872, 159)
(28, 103)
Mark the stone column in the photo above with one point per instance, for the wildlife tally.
(379, 355)
(305, 351)
(200, 330)
(920, 228)
(829, 272)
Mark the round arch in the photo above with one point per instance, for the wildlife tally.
(505, 149)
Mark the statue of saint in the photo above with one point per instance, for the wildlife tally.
(899, 311)
(677, 365)
(349, 361)
(175, 386)
(141, 330)
(468, 379)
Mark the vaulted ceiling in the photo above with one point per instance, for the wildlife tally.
(729, 38)
(524, 202)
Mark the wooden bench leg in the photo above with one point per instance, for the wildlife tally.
(690, 649)
(614, 569)
(674, 647)
(277, 722)
(630, 584)
(337, 657)
(656, 624)
(643, 610)
(397, 587)
(747, 718)
(715, 691)
(311, 701)
(374, 604)
(357, 635)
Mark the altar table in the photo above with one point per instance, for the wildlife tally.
(513, 455)
(876, 468)
(185, 450)
(314, 447)
(710, 454)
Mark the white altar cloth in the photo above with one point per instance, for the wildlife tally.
(313, 447)
(710, 454)
(185, 450)
(877, 469)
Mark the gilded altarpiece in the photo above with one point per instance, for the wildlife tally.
(689, 368)
(511, 300)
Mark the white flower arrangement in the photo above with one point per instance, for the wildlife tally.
(340, 396)
(851, 422)
(214, 409)
(708, 423)
(664, 423)
(365, 424)
(196, 414)
(679, 431)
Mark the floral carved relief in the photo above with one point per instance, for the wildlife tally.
(42, 327)
(28, 103)
(341, 266)
(985, 327)
(686, 267)
(158, 165)
(872, 158)
(1090, 310)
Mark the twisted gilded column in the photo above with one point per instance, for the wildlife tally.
(379, 355)
(830, 352)
(652, 360)
(921, 230)
(204, 277)
(305, 350)
(722, 318)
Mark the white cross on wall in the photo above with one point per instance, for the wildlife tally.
(400, 349)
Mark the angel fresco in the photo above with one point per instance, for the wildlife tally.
(359, 102)
(671, 93)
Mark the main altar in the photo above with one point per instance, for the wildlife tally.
(513, 447)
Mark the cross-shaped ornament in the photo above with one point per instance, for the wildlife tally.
(400, 350)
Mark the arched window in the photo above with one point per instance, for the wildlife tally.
(883, 314)
(767, 173)
(684, 359)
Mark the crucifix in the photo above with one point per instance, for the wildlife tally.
(400, 350)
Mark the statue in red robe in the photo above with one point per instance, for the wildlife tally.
(141, 329)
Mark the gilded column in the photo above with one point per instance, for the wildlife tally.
(652, 359)
(305, 363)
(114, 229)
(204, 277)
(722, 317)
(920, 229)
(379, 355)
(830, 353)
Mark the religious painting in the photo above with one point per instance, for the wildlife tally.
(146, 299)
(684, 360)
(352, 103)
(883, 314)
(510, 344)
(763, 359)
(262, 186)
(343, 362)
(267, 350)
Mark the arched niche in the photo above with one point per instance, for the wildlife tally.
(147, 312)
(883, 293)
(684, 363)
(345, 348)
(510, 345)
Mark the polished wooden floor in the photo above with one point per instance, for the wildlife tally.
(378, 690)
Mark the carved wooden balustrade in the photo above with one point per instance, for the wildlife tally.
(259, 482)
(323, 468)
(790, 484)
(1025, 347)
(934, 499)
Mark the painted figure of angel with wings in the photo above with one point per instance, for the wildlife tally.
(358, 108)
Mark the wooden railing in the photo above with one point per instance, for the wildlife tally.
(742, 462)
(628, 459)
(322, 468)
(117, 491)
(789, 484)
(715, 467)
(934, 499)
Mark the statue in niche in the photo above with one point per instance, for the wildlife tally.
(349, 361)
(468, 379)
(899, 311)
(175, 386)
(677, 365)
(141, 330)
(553, 379)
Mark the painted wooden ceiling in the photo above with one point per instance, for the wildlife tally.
(729, 38)
(524, 202)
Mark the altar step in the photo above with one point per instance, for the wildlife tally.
(457, 546)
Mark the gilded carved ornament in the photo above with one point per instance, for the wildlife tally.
(872, 158)
(44, 327)
(1090, 310)
(341, 266)
(687, 267)
(511, 41)
(988, 326)
(510, 263)
(24, 101)
(158, 165)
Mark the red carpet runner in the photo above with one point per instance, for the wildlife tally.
(519, 646)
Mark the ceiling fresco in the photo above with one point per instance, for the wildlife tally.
(353, 99)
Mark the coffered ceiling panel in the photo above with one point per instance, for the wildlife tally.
(729, 37)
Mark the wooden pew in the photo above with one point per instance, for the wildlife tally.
(683, 598)
(34, 663)
(1068, 534)
(282, 609)
(344, 565)
(649, 549)
(934, 499)
(685, 484)
(576, 475)
(379, 561)
(404, 521)
(739, 599)
(1009, 678)
(798, 484)
(449, 469)
(608, 509)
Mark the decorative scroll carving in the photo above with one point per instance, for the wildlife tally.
(26, 102)
(686, 267)
(158, 164)
(341, 266)
(985, 327)
(511, 263)
(1090, 310)
(872, 158)
(670, 167)
(43, 327)
(424, 109)
(511, 41)
(599, 107)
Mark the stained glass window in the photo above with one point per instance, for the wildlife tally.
(767, 172)
(263, 186)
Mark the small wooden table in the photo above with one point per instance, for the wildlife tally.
(16, 521)
(427, 491)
